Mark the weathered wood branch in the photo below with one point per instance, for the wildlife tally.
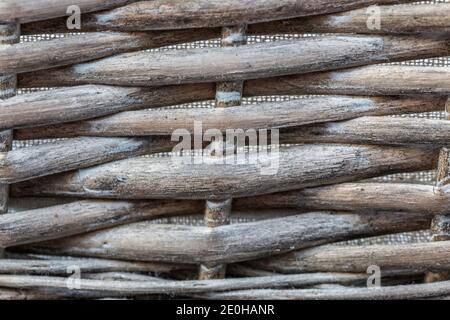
(245, 214)
(414, 291)
(431, 256)
(74, 218)
(31, 56)
(90, 101)
(404, 19)
(253, 173)
(378, 130)
(59, 52)
(78, 103)
(264, 115)
(368, 80)
(34, 10)
(176, 14)
(394, 19)
(60, 266)
(232, 243)
(58, 291)
(356, 196)
(46, 159)
(83, 216)
(240, 63)
(134, 287)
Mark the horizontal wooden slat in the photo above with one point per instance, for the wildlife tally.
(59, 265)
(38, 55)
(23, 11)
(406, 197)
(430, 256)
(46, 159)
(240, 63)
(82, 216)
(232, 243)
(368, 80)
(216, 177)
(378, 130)
(356, 196)
(75, 49)
(412, 291)
(57, 221)
(90, 101)
(126, 288)
(430, 19)
(83, 102)
(396, 19)
(178, 14)
(265, 115)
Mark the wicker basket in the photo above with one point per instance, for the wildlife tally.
(260, 149)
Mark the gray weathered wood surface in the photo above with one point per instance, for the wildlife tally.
(83, 102)
(241, 63)
(431, 256)
(408, 197)
(31, 56)
(211, 177)
(83, 216)
(34, 10)
(75, 49)
(134, 287)
(65, 155)
(367, 80)
(397, 19)
(232, 243)
(394, 19)
(59, 266)
(90, 101)
(378, 130)
(414, 291)
(178, 14)
(264, 115)
(356, 196)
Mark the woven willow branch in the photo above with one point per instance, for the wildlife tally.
(180, 178)
(78, 103)
(232, 243)
(240, 63)
(34, 10)
(331, 258)
(111, 75)
(431, 19)
(171, 14)
(75, 218)
(285, 114)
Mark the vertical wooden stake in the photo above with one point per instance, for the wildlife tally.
(440, 225)
(228, 94)
(9, 34)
